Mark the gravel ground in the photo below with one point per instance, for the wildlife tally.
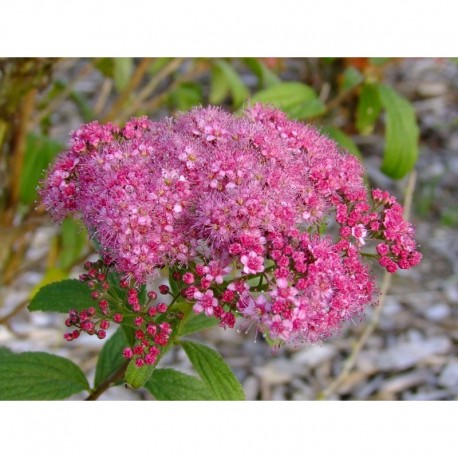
(412, 355)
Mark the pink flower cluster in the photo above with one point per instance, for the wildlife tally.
(236, 206)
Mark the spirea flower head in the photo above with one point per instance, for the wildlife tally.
(235, 205)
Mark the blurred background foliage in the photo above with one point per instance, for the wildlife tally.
(41, 100)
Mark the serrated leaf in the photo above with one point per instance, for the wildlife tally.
(61, 297)
(368, 110)
(343, 140)
(110, 357)
(401, 137)
(214, 372)
(52, 275)
(172, 385)
(237, 88)
(73, 238)
(197, 323)
(298, 100)
(39, 376)
(122, 71)
(39, 153)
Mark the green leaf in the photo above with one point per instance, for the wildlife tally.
(266, 77)
(110, 357)
(401, 138)
(83, 106)
(119, 293)
(343, 140)
(4, 351)
(138, 376)
(172, 385)
(51, 275)
(219, 87)
(237, 88)
(105, 66)
(122, 71)
(73, 238)
(158, 64)
(61, 297)
(196, 323)
(351, 78)
(368, 110)
(39, 376)
(298, 100)
(186, 96)
(214, 371)
(377, 61)
(39, 153)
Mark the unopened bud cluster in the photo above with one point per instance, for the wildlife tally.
(119, 302)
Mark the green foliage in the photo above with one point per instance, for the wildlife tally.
(351, 78)
(83, 106)
(226, 80)
(110, 357)
(219, 87)
(401, 138)
(186, 96)
(39, 376)
(266, 77)
(105, 66)
(73, 237)
(122, 70)
(61, 297)
(158, 65)
(172, 385)
(39, 152)
(369, 107)
(137, 376)
(215, 373)
(297, 99)
(343, 140)
(4, 351)
(378, 61)
(197, 323)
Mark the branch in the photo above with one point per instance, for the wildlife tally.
(164, 73)
(131, 86)
(108, 382)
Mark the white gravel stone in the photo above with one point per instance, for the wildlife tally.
(314, 356)
(449, 376)
(251, 387)
(404, 355)
(438, 312)
(405, 381)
